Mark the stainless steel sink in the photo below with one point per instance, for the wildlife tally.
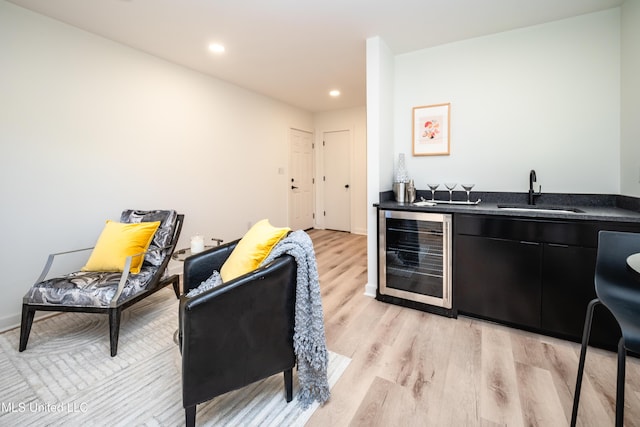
(540, 208)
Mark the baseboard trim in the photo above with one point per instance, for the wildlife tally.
(370, 290)
(11, 322)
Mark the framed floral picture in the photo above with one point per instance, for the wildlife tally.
(431, 130)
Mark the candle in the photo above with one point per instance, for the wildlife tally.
(197, 244)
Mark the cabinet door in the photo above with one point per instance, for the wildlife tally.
(498, 279)
(567, 288)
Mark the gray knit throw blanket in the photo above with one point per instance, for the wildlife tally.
(309, 342)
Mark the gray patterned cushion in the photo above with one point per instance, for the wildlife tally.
(96, 289)
(88, 288)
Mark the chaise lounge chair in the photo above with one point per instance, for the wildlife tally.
(110, 291)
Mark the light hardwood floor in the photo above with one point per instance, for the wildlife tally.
(411, 368)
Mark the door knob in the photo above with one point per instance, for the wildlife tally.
(293, 187)
(346, 186)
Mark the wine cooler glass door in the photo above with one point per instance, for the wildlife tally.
(416, 260)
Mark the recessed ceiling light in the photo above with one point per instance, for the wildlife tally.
(334, 93)
(216, 48)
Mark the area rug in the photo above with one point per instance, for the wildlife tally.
(67, 377)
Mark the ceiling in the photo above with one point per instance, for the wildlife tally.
(297, 50)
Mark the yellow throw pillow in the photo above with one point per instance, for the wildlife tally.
(252, 249)
(118, 241)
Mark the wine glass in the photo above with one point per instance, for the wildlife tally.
(467, 188)
(433, 188)
(450, 186)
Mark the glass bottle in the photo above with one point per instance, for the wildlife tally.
(401, 171)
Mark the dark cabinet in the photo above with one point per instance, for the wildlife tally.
(532, 273)
(567, 288)
(498, 279)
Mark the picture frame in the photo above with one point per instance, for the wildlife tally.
(431, 130)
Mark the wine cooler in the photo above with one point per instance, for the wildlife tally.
(415, 257)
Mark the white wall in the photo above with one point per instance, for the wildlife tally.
(353, 120)
(545, 97)
(630, 125)
(380, 77)
(89, 127)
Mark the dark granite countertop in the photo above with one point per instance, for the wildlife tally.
(594, 207)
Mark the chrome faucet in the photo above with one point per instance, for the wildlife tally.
(532, 193)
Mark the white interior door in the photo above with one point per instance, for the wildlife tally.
(300, 185)
(337, 176)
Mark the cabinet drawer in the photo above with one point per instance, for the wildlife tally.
(575, 233)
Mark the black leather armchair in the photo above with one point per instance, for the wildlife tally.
(237, 333)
